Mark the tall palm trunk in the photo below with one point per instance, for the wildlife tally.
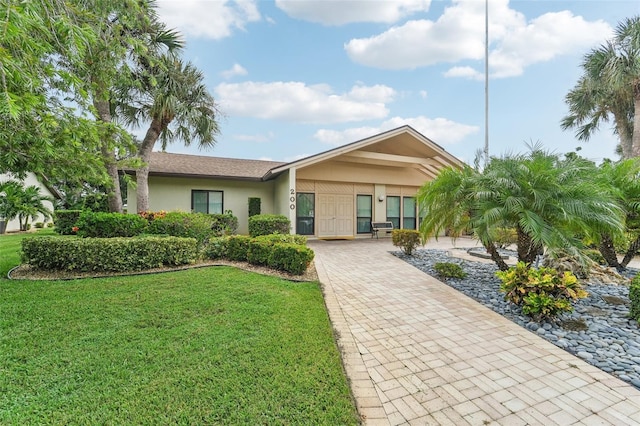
(114, 196)
(626, 139)
(142, 173)
(635, 139)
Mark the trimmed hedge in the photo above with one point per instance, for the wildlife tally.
(110, 225)
(634, 296)
(108, 254)
(292, 258)
(265, 224)
(65, 220)
(200, 226)
(283, 252)
(254, 206)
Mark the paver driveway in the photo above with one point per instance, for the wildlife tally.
(418, 352)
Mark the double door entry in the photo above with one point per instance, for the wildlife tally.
(335, 215)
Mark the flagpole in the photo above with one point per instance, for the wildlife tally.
(486, 82)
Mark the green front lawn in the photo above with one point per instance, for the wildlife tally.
(203, 346)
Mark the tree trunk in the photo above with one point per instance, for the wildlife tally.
(495, 256)
(635, 144)
(527, 250)
(608, 251)
(114, 196)
(626, 141)
(142, 174)
(631, 252)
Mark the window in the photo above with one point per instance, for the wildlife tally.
(363, 213)
(408, 213)
(393, 211)
(206, 202)
(305, 212)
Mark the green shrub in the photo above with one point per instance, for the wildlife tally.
(39, 225)
(216, 248)
(543, 292)
(65, 220)
(596, 256)
(188, 225)
(634, 296)
(449, 270)
(407, 239)
(109, 225)
(265, 224)
(50, 225)
(107, 254)
(504, 237)
(238, 247)
(224, 224)
(261, 247)
(292, 258)
(254, 206)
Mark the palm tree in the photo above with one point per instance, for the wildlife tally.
(23, 203)
(610, 85)
(547, 200)
(177, 106)
(593, 100)
(624, 179)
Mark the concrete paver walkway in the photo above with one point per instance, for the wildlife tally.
(418, 352)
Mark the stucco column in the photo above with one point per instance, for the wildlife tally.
(379, 207)
(293, 194)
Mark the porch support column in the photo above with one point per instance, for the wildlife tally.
(379, 207)
(293, 197)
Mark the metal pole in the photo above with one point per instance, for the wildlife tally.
(486, 82)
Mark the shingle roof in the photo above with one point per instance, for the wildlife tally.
(164, 163)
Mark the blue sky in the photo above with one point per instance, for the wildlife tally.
(295, 78)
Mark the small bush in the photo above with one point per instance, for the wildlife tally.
(50, 225)
(261, 248)
(449, 270)
(542, 293)
(187, 225)
(150, 216)
(292, 258)
(65, 220)
(216, 248)
(107, 254)
(596, 256)
(504, 237)
(238, 247)
(254, 206)
(39, 225)
(634, 296)
(407, 239)
(109, 225)
(265, 224)
(224, 224)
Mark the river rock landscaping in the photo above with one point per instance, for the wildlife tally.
(598, 330)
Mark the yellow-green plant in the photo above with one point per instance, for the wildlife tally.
(634, 296)
(543, 292)
(407, 239)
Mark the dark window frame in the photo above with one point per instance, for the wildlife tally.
(370, 218)
(415, 213)
(396, 220)
(207, 191)
(306, 218)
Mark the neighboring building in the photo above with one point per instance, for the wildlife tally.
(30, 179)
(334, 194)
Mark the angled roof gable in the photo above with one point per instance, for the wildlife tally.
(357, 152)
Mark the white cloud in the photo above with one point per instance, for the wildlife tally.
(332, 12)
(298, 102)
(259, 138)
(440, 130)
(235, 70)
(458, 35)
(466, 72)
(423, 94)
(214, 19)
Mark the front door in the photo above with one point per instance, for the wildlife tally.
(335, 215)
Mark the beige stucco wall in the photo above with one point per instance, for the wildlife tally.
(29, 180)
(174, 193)
(283, 185)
